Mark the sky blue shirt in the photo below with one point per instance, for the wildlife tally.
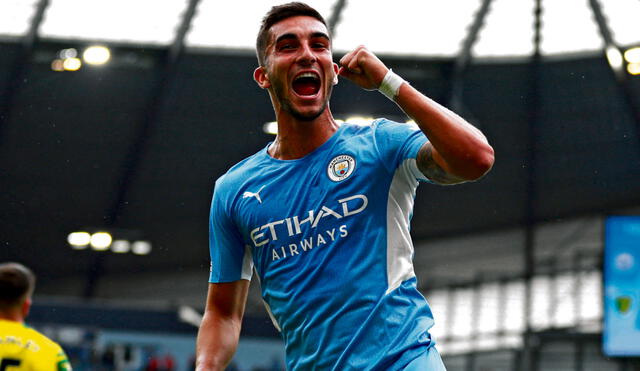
(328, 235)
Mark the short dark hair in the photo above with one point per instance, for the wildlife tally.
(16, 284)
(277, 14)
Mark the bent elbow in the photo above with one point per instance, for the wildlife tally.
(482, 163)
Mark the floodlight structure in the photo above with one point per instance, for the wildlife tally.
(117, 241)
(632, 58)
(96, 55)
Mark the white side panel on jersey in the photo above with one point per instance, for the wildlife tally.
(247, 264)
(399, 208)
(268, 308)
(273, 319)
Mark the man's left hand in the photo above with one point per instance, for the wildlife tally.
(363, 68)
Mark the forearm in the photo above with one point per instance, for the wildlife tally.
(217, 342)
(463, 148)
(459, 149)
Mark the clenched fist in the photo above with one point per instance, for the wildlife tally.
(363, 68)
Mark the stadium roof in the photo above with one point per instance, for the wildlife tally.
(407, 27)
(134, 145)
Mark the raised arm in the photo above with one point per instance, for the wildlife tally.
(456, 151)
(220, 328)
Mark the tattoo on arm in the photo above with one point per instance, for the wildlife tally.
(431, 169)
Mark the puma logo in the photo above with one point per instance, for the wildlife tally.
(248, 194)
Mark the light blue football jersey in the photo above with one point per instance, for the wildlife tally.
(328, 235)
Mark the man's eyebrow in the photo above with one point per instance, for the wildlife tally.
(320, 34)
(286, 36)
(291, 36)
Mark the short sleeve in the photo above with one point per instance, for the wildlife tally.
(398, 145)
(230, 258)
(62, 362)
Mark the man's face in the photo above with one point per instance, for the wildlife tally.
(299, 66)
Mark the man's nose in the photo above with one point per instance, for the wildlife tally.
(306, 55)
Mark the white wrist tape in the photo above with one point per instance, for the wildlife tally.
(390, 85)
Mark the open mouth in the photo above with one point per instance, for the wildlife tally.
(306, 84)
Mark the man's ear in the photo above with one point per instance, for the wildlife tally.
(260, 76)
(26, 306)
(336, 68)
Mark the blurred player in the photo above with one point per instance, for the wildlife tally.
(323, 212)
(21, 347)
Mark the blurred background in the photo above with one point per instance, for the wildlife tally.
(116, 117)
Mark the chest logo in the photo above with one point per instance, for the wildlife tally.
(341, 167)
(251, 194)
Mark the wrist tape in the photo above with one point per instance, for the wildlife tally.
(390, 85)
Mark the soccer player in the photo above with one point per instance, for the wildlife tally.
(21, 347)
(323, 212)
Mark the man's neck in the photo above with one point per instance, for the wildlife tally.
(11, 316)
(297, 138)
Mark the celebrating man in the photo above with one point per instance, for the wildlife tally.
(323, 212)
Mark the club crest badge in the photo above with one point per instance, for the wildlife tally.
(341, 167)
(623, 304)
